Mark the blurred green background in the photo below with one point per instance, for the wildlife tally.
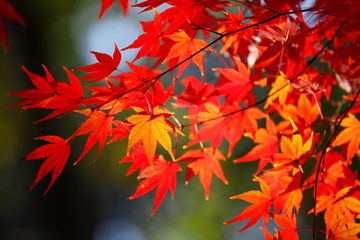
(89, 200)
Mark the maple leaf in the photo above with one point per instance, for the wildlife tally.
(235, 84)
(162, 175)
(121, 131)
(295, 148)
(267, 145)
(305, 109)
(103, 68)
(149, 42)
(279, 90)
(292, 149)
(140, 78)
(110, 96)
(67, 98)
(155, 96)
(349, 231)
(261, 201)
(350, 134)
(338, 207)
(204, 162)
(183, 13)
(288, 225)
(343, 9)
(236, 124)
(290, 196)
(49, 94)
(195, 94)
(138, 159)
(213, 128)
(186, 47)
(99, 125)
(7, 11)
(150, 4)
(106, 4)
(39, 97)
(280, 34)
(151, 128)
(56, 152)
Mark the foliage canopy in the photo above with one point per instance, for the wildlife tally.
(299, 56)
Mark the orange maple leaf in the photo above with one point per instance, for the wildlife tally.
(262, 202)
(151, 128)
(205, 163)
(350, 134)
(338, 207)
(347, 231)
(161, 175)
(187, 47)
(305, 110)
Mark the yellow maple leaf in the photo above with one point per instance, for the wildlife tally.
(279, 90)
(151, 128)
(295, 148)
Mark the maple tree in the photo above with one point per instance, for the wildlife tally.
(271, 46)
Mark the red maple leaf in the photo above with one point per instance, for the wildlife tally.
(106, 4)
(235, 83)
(103, 68)
(49, 94)
(56, 152)
(138, 159)
(288, 225)
(40, 96)
(99, 125)
(139, 79)
(267, 145)
(237, 123)
(205, 163)
(67, 98)
(149, 42)
(7, 11)
(108, 96)
(195, 94)
(150, 4)
(280, 34)
(161, 175)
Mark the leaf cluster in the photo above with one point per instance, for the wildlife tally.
(268, 45)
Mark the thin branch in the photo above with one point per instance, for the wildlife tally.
(323, 154)
(158, 77)
(309, 63)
